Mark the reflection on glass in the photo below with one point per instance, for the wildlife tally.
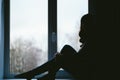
(28, 34)
(69, 15)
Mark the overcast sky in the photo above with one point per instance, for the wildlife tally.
(29, 20)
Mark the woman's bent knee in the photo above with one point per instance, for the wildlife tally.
(67, 50)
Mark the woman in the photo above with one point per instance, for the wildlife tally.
(73, 62)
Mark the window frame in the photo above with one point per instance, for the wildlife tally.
(1, 39)
(52, 35)
(6, 4)
(52, 28)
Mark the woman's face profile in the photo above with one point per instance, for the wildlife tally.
(82, 34)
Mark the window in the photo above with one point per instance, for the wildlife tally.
(28, 34)
(33, 28)
(69, 15)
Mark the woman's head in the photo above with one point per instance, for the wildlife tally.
(86, 23)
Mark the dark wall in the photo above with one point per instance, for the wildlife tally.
(106, 38)
(1, 41)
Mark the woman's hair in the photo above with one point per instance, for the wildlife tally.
(87, 23)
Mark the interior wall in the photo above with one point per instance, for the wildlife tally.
(1, 42)
(106, 47)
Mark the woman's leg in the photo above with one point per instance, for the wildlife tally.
(51, 66)
(51, 74)
(43, 68)
(74, 64)
(67, 52)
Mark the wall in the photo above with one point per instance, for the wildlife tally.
(1, 42)
(107, 39)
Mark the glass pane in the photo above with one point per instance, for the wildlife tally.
(69, 15)
(28, 34)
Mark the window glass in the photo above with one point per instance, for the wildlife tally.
(28, 34)
(69, 15)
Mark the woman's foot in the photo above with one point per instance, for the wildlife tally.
(27, 75)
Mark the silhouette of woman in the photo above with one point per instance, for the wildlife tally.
(76, 63)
